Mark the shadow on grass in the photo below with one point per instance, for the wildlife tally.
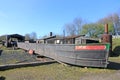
(14, 66)
(116, 51)
(0, 52)
(114, 66)
(2, 78)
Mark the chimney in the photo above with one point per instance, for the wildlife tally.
(50, 33)
(106, 28)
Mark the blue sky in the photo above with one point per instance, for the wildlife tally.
(44, 16)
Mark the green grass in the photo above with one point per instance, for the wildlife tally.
(0, 43)
(9, 49)
(116, 46)
(116, 42)
(52, 72)
(115, 59)
(5, 48)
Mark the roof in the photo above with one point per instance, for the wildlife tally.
(60, 37)
(20, 37)
(75, 36)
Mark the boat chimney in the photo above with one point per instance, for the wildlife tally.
(106, 28)
(50, 33)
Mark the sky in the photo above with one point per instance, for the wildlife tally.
(44, 16)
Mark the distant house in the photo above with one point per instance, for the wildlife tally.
(86, 40)
(76, 39)
(51, 40)
(73, 39)
(30, 41)
(15, 37)
(61, 40)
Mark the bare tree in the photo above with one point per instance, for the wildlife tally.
(116, 22)
(78, 23)
(70, 29)
(33, 36)
(113, 20)
(27, 36)
(74, 28)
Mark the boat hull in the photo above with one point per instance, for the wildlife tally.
(92, 55)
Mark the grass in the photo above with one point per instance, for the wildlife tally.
(115, 59)
(116, 46)
(115, 42)
(9, 49)
(52, 72)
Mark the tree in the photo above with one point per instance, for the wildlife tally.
(112, 21)
(74, 28)
(3, 37)
(27, 36)
(33, 36)
(89, 29)
(78, 23)
(116, 22)
(70, 29)
(93, 29)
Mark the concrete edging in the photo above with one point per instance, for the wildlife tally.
(19, 65)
